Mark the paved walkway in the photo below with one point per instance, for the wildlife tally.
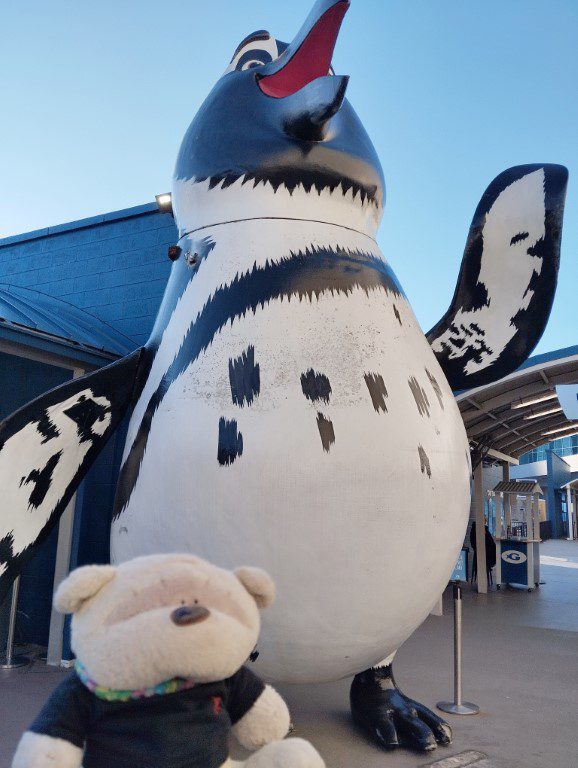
(520, 667)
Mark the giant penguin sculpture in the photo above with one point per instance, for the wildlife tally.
(287, 410)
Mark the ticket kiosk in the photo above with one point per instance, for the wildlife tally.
(517, 512)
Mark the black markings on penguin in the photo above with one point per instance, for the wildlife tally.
(303, 275)
(377, 390)
(315, 386)
(419, 395)
(47, 429)
(424, 461)
(85, 413)
(7, 548)
(396, 313)
(456, 340)
(42, 479)
(326, 431)
(291, 178)
(476, 351)
(436, 388)
(230, 442)
(519, 237)
(245, 378)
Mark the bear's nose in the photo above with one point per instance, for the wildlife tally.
(189, 614)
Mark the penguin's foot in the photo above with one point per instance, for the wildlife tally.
(392, 719)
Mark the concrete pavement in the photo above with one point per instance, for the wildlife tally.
(520, 667)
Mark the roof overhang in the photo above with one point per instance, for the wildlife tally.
(504, 417)
(65, 354)
(518, 487)
(31, 319)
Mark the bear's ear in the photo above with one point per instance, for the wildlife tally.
(81, 584)
(258, 584)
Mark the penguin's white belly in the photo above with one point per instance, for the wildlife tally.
(355, 504)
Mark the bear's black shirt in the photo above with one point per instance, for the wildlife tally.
(186, 729)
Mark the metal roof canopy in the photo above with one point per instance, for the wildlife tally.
(496, 415)
(33, 313)
(522, 487)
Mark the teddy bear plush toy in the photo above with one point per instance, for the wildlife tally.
(159, 681)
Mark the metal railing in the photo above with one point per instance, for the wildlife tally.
(8, 660)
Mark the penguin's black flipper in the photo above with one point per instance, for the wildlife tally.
(46, 448)
(507, 279)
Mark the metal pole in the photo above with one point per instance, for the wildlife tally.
(457, 706)
(457, 644)
(9, 661)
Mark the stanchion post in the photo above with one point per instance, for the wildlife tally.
(457, 706)
(9, 660)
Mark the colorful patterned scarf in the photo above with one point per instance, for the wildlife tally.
(112, 694)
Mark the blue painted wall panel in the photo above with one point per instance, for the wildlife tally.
(115, 267)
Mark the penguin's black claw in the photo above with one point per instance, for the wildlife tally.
(392, 719)
(378, 725)
(438, 726)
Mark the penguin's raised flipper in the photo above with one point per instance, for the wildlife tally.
(46, 448)
(507, 278)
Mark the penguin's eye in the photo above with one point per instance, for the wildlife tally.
(255, 50)
(253, 58)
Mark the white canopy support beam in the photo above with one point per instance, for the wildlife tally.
(480, 528)
(570, 511)
(503, 457)
(507, 505)
(61, 571)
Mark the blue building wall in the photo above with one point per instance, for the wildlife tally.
(114, 266)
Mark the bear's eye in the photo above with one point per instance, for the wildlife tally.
(196, 602)
(183, 602)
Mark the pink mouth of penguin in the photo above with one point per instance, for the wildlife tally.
(311, 60)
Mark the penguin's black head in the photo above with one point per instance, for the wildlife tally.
(278, 115)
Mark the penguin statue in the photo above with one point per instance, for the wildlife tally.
(287, 410)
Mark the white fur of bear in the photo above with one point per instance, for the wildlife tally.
(125, 635)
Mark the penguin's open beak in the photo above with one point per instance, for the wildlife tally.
(302, 71)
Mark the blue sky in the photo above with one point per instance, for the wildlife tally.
(97, 96)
